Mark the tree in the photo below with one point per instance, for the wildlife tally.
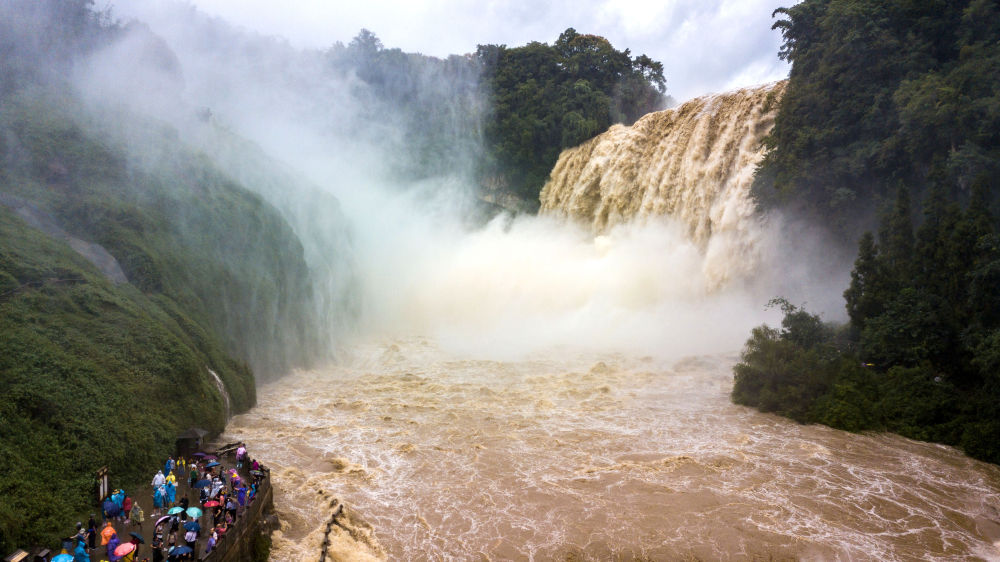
(865, 296)
(548, 98)
(896, 235)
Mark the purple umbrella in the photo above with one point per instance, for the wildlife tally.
(199, 455)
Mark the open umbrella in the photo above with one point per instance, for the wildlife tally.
(175, 510)
(63, 558)
(199, 455)
(192, 526)
(211, 464)
(211, 503)
(138, 537)
(211, 458)
(193, 512)
(257, 473)
(202, 483)
(160, 521)
(124, 548)
(179, 550)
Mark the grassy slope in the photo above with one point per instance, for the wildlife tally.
(95, 374)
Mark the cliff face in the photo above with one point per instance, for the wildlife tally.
(694, 163)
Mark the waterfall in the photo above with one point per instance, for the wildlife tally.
(222, 390)
(693, 163)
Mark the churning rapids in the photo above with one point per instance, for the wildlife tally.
(567, 394)
(595, 459)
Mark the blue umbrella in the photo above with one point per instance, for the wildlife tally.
(192, 526)
(179, 550)
(202, 483)
(63, 558)
(211, 464)
(194, 512)
(175, 510)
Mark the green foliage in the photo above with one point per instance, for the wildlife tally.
(865, 297)
(778, 376)
(177, 226)
(910, 331)
(545, 98)
(424, 110)
(924, 325)
(93, 373)
(72, 27)
(919, 403)
(507, 111)
(793, 371)
(901, 97)
(882, 93)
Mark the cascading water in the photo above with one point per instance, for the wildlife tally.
(222, 391)
(694, 164)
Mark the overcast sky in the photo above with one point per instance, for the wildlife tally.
(704, 45)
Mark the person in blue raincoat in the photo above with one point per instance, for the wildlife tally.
(171, 492)
(80, 554)
(119, 499)
(158, 499)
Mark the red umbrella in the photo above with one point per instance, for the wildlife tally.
(124, 548)
(211, 503)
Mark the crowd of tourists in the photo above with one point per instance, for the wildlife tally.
(218, 497)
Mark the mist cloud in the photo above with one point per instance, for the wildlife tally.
(705, 45)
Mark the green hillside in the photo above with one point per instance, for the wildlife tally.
(98, 372)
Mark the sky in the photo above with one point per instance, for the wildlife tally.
(705, 45)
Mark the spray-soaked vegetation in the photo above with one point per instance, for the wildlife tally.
(514, 109)
(898, 101)
(129, 268)
(424, 110)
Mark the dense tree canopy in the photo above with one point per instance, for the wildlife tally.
(883, 93)
(547, 98)
(890, 106)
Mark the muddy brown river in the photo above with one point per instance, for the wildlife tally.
(439, 457)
